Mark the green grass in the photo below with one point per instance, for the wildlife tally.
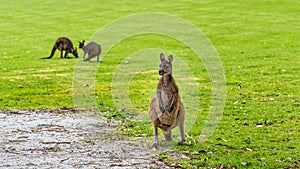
(257, 41)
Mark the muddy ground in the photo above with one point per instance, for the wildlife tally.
(52, 139)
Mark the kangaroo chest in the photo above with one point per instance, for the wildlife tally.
(166, 94)
(168, 119)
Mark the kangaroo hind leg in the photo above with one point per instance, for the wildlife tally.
(155, 145)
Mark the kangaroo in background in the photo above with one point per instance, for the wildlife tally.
(63, 44)
(92, 49)
(166, 109)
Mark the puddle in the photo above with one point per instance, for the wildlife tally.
(47, 139)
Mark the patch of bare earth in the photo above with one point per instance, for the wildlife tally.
(50, 139)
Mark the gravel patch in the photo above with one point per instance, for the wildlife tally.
(52, 139)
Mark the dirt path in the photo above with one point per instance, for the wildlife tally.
(47, 139)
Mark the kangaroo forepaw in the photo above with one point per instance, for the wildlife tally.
(168, 109)
(162, 109)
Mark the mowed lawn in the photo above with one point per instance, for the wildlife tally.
(258, 43)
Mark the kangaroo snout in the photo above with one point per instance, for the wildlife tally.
(161, 72)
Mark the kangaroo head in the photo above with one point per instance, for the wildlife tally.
(74, 52)
(165, 66)
(81, 44)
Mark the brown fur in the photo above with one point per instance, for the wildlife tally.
(63, 44)
(166, 109)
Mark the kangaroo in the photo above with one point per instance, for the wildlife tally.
(166, 109)
(92, 49)
(63, 44)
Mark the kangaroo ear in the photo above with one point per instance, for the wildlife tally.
(170, 58)
(162, 57)
(83, 41)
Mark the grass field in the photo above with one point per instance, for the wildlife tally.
(257, 41)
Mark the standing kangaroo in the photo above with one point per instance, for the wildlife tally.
(166, 109)
(63, 44)
(92, 49)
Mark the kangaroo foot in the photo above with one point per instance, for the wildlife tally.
(154, 147)
(184, 143)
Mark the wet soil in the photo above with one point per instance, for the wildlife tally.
(52, 139)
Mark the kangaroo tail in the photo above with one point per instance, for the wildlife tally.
(52, 53)
(168, 135)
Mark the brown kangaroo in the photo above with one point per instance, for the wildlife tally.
(92, 49)
(63, 44)
(166, 109)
